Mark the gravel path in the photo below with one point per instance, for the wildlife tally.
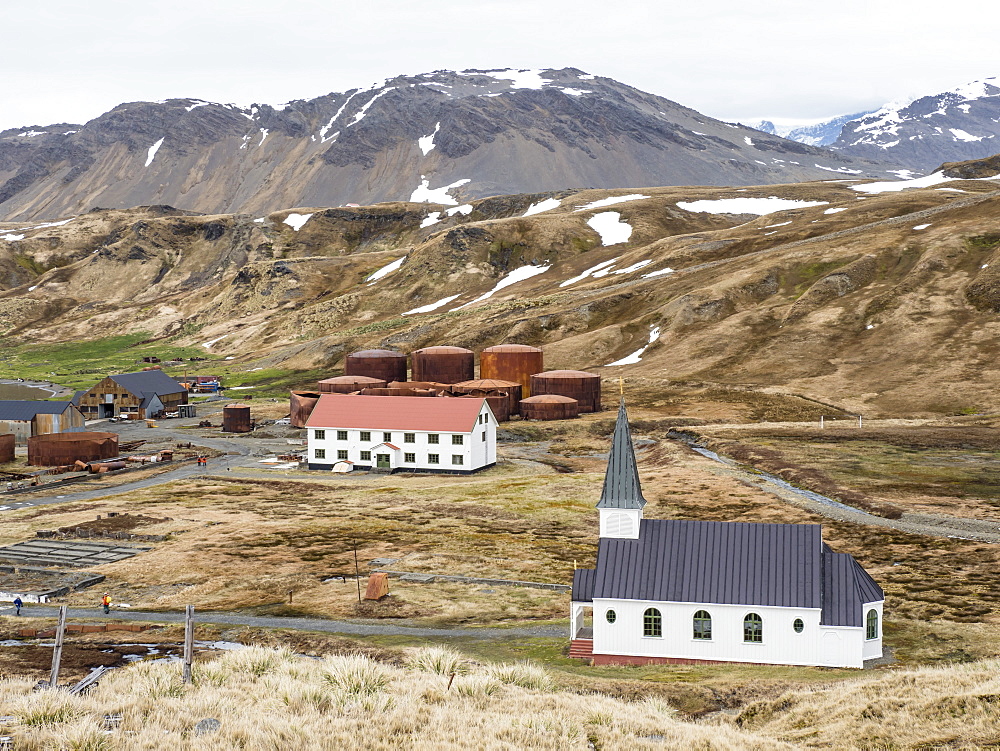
(355, 628)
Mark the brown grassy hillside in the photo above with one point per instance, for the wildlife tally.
(845, 302)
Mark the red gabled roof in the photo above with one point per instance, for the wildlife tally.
(435, 414)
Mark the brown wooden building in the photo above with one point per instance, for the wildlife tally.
(27, 418)
(147, 393)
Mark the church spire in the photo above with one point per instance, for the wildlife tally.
(621, 483)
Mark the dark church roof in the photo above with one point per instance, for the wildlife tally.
(782, 565)
(621, 482)
(25, 410)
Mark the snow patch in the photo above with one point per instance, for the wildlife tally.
(515, 276)
(748, 140)
(296, 221)
(32, 289)
(610, 201)
(835, 210)
(575, 92)
(635, 357)
(520, 79)
(197, 103)
(465, 209)
(263, 135)
(432, 306)
(589, 272)
(259, 220)
(152, 152)
(426, 143)
(385, 270)
(759, 206)
(424, 193)
(780, 224)
(360, 115)
(922, 226)
(431, 219)
(610, 228)
(961, 135)
(890, 187)
(661, 272)
(537, 208)
(634, 267)
(12, 237)
(208, 344)
(845, 170)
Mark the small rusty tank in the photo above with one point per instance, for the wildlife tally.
(236, 418)
(6, 448)
(549, 407)
(576, 384)
(511, 362)
(444, 364)
(384, 364)
(493, 387)
(348, 384)
(300, 406)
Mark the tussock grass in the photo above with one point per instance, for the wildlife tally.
(440, 660)
(349, 702)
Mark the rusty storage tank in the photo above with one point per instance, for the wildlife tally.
(348, 384)
(549, 407)
(57, 449)
(444, 364)
(6, 448)
(384, 364)
(511, 362)
(584, 387)
(301, 405)
(236, 418)
(438, 388)
(493, 387)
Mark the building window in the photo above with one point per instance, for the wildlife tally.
(753, 629)
(366, 456)
(798, 625)
(652, 623)
(484, 436)
(872, 623)
(319, 454)
(410, 458)
(319, 435)
(457, 440)
(409, 437)
(342, 455)
(457, 459)
(366, 435)
(433, 458)
(433, 438)
(702, 625)
(387, 437)
(341, 435)
(611, 616)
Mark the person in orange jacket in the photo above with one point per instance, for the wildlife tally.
(106, 603)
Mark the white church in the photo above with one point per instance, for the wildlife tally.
(681, 591)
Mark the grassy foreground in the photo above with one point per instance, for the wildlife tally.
(269, 698)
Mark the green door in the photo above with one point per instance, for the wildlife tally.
(382, 461)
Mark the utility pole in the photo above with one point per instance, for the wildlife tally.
(188, 642)
(357, 570)
(57, 651)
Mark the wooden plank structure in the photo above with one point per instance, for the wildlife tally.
(378, 586)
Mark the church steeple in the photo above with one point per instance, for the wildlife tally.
(621, 497)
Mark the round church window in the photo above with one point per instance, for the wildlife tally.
(611, 616)
(798, 625)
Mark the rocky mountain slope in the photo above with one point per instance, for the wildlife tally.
(880, 297)
(443, 136)
(955, 125)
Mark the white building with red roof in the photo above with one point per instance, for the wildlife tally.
(401, 433)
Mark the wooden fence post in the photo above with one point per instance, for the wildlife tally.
(57, 651)
(357, 570)
(188, 642)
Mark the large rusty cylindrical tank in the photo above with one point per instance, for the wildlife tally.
(549, 407)
(236, 418)
(584, 387)
(6, 448)
(493, 387)
(56, 449)
(384, 364)
(301, 405)
(348, 384)
(511, 362)
(443, 364)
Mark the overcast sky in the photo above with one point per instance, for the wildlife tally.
(71, 61)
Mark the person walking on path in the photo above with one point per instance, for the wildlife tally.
(106, 603)
(17, 605)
